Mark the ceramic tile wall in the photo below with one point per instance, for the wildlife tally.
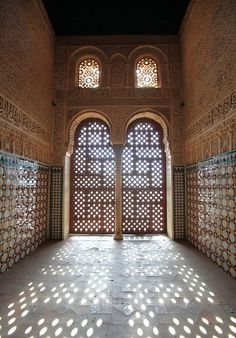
(179, 202)
(23, 208)
(211, 209)
(56, 202)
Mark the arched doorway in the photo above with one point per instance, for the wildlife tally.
(92, 189)
(144, 178)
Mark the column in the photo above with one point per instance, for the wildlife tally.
(118, 148)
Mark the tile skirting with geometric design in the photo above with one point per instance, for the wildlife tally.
(179, 202)
(211, 209)
(23, 208)
(56, 198)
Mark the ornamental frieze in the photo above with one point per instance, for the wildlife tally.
(13, 140)
(118, 101)
(216, 115)
(117, 93)
(18, 118)
(220, 139)
(117, 113)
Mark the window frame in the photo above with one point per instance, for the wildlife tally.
(78, 63)
(155, 59)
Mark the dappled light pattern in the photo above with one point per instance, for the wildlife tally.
(95, 287)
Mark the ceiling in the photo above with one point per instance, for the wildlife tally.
(112, 17)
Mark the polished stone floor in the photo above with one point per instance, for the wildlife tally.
(97, 287)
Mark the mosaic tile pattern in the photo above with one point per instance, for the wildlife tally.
(56, 202)
(23, 208)
(179, 202)
(211, 196)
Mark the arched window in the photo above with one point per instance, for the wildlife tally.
(144, 183)
(88, 74)
(92, 180)
(147, 73)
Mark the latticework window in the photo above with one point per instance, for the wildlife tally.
(147, 73)
(143, 165)
(88, 74)
(93, 180)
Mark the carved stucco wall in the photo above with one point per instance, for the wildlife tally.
(208, 42)
(26, 79)
(117, 99)
(208, 47)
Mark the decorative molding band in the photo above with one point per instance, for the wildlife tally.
(16, 117)
(215, 116)
(117, 92)
(226, 158)
(109, 101)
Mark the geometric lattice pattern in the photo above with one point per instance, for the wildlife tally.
(211, 209)
(56, 202)
(143, 164)
(179, 202)
(88, 74)
(23, 208)
(147, 73)
(93, 180)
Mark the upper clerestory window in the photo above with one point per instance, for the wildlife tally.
(88, 74)
(147, 73)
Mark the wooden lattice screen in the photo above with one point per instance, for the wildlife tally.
(92, 180)
(144, 186)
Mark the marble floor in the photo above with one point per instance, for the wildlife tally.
(96, 287)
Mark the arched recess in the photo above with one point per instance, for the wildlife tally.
(74, 124)
(118, 70)
(168, 174)
(157, 54)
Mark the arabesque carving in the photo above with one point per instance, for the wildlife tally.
(13, 115)
(15, 141)
(216, 115)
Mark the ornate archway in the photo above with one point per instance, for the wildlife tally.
(118, 149)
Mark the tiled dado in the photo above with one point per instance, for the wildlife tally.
(179, 202)
(56, 193)
(23, 208)
(211, 213)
